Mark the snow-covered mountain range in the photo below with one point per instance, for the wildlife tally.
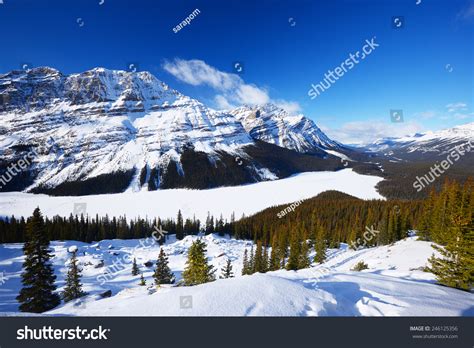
(426, 144)
(108, 131)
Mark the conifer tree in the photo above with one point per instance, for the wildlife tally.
(73, 287)
(320, 244)
(227, 270)
(179, 226)
(425, 224)
(142, 280)
(37, 294)
(163, 274)
(245, 263)
(135, 270)
(295, 252)
(251, 264)
(266, 261)
(455, 267)
(304, 261)
(209, 224)
(197, 270)
(258, 259)
(275, 261)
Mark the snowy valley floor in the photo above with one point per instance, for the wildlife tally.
(246, 199)
(394, 284)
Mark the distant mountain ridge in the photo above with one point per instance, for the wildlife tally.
(425, 145)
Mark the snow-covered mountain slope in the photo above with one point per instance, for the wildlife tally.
(247, 199)
(274, 125)
(394, 284)
(437, 143)
(107, 131)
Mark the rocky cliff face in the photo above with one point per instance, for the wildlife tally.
(274, 125)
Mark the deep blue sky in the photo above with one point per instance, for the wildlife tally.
(408, 71)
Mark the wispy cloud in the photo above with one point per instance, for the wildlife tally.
(366, 132)
(467, 12)
(231, 89)
(454, 107)
(452, 111)
(458, 111)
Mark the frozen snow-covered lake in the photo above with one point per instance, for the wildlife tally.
(247, 199)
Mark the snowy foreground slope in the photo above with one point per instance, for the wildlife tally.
(246, 199)
(394, 284)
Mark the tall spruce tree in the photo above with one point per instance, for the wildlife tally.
(245, 263)
(135, 270)
(163, 274)
(266, 260)
(258, 259)
(320, 244)
(179, 226)
(197, 270)
(304, 261)
(275, 261)
(227, 270)
(295, 252)
(251, 264)
(37, 294)
(73, 288)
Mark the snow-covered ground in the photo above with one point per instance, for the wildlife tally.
(246, 199)
(394, 284)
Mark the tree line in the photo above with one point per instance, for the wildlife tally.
(342, 218)
(89, 229)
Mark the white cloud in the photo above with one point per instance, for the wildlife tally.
(222, 103)
(291, 107)
(463, 116)
(197, 72)
(455, 107)
(233, 91)
(365, 132)
(250, 94)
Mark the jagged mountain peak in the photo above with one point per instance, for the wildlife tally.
(273, 124)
